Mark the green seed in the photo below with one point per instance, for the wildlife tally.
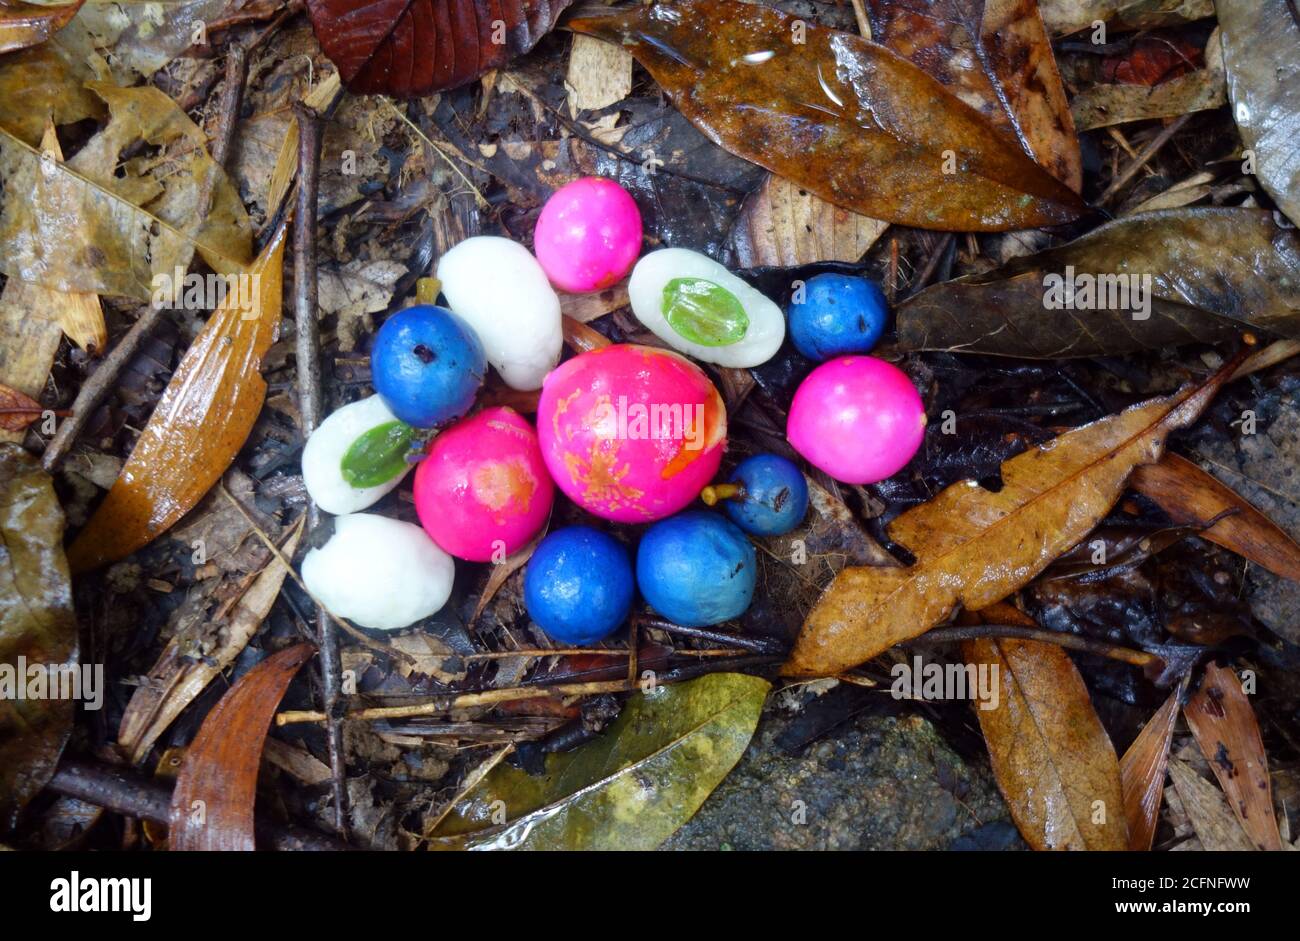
(703, 312)
(377, 456)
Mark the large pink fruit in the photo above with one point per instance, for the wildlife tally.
(631, 433)
(857, 418)
(483, 492)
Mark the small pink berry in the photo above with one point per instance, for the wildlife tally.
(857, 418)
(483, 492)
(588, 235)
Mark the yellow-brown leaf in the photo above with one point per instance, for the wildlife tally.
(1142, 773)
(203, 419)
(1051, 756)
(975, 547)
(27, 24)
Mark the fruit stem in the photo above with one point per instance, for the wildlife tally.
(715, 492)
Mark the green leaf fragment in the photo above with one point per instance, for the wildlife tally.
(703, 312)
(629, 789)
(377, 456)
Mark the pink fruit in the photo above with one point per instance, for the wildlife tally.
(483, 492)
(588, 235)
(631, 433)
(857, 418)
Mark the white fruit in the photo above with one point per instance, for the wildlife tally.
(379, 573)
(323, 455)
(501, 291)
(646, 292)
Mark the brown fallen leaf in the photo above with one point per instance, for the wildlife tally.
(199, 425)
(37, 626)
(1223, 722)
(974, 547)
(17, 411)
(783, 224)
(176, 679)
(1050, 754)
(845, 118)
(1191, 495)
(1215, 826)
(1069, 16)
(212, 804)
(996, 57)
(598, 75)
(1142, 773)
(27, 24)
(1103, 105)
(42, 84)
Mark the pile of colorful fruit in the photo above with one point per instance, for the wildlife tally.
(629, 433)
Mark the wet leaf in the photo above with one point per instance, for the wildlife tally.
(37, 628)
(784, 224)
(409, 48)
(629, 789)
(1261, 51)
(27, 24)
(377, 456)
(79, 227)
(212, 803)
(1207, 810)
(17, 411)
(142, 37)
(40, 84)
(1193, 496)
(1070, 16)
(1210, 270)
(199, 425)
(996, 57)
(840, 116)
(1051, 756)
(1142, 773)
(177, 678)
(974, 547)
(1222, 719)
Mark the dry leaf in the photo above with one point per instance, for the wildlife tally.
(974, 547)
(1069, 16)
(1104, 105)
(599, 75)
(845, 118)
(212, 804)
(42, 84)
(783, 224)
(176, 679)
(1223, 721)
(1191, 496)
(1051, 756)
(79, 226)
(27, 24)
(1215, 826)
(1142, 773)
(199, 425)
(17, 411)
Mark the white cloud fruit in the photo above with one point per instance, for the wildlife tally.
(501, 291)
(379, 573)
(323, 456)
(692, 272)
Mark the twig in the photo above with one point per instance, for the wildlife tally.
(1143, 158)
(231, 96)
(124, 792)
(1137, 658)
(754, 644)
(309, 406)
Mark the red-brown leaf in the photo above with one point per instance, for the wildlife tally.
(17, 411)
(212, 805)
(409, 48)
(1223, 721)
(1142, 773)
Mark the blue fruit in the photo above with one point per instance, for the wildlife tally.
(696, 569)
(773, 495)
(578, 585)
(839, 314)
(428, 365)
